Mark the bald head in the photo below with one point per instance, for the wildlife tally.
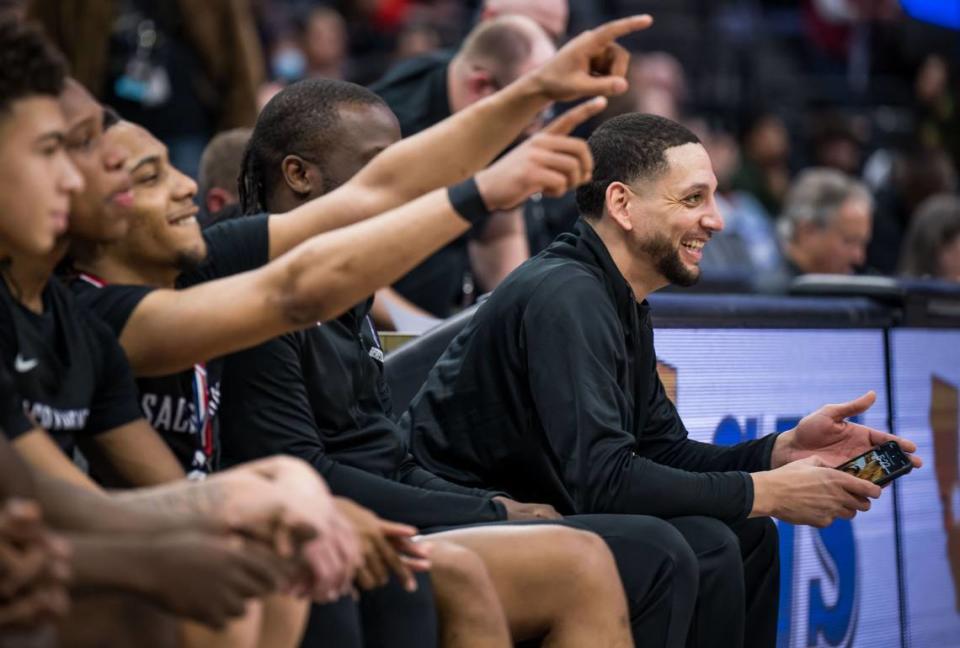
(495, 54)
(220, 169)
(551, 15)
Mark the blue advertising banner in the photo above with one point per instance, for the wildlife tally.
(839, 585)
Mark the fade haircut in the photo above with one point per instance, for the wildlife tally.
(628, 148)
(29, 65)
(301, 118)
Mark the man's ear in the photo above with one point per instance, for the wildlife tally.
(480, 83)
(299, 175)
(217, 198)
(617, 203)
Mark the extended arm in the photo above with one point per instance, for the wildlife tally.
(591, 64)
(328, 274)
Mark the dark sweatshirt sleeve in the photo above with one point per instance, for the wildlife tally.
(413, 474)
(266, 410)
(573, 345)
(666, 442)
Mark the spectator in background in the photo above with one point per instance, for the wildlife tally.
(659, 84)
(323, 38)
(764, 170)
(932, 245)
(916, 175)
(747, 246)
(416, 39)
(938, 119)
(838, 143)
(219, 171)
(427, 89)
(826, 223)
(184, 70)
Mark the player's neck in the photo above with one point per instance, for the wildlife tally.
(28, 275)
(117, 269)
(641, 275)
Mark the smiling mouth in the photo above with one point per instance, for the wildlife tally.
(695, 246)
(185, 218)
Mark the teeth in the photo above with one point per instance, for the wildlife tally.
(185, 221)
(694, 245)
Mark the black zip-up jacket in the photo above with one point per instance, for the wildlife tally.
(551, 394)
(319, 394)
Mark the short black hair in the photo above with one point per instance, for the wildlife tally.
(627, 148)
(110, 117)
(29, 65)
(303, 117)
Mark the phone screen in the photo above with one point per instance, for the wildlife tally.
(879, 465)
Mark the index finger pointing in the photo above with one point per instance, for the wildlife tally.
(569, 120)
(616, 28)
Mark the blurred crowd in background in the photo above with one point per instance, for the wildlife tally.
(833, 125)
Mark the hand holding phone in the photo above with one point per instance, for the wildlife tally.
(880, 465)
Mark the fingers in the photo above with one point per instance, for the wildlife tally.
(547, 512)
(577, 163)
(365, 579)
(851, 408)
(396, 529)
(855, 502)
(565, 123)
(857, 486)
(377, 561)
(392, 557)
(412, 549)
(877, 438)
(619, 61)
(609, 32)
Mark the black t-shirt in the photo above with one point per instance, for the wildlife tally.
(170, 403)
(416, 91)
(67, 367)
(13, 421)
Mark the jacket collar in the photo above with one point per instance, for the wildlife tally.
(593, 251)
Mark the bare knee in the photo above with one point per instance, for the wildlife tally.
(457, 570)
(590, 555)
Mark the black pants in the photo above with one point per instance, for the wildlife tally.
(694, 581)
(387, 617)
(659, 572)
(739, 581)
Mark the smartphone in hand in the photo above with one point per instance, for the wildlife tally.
(881, 464)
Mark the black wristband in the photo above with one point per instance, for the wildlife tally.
(467, 201)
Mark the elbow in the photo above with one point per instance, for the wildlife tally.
(314, 288)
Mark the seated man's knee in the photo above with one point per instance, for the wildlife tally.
(759, 535)
(709, 537)
(457, 571)
(586, 559)
(650, 553)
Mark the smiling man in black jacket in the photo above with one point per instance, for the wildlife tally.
(551, 392)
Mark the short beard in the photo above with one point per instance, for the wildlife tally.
(191, 261)
(666, 259)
